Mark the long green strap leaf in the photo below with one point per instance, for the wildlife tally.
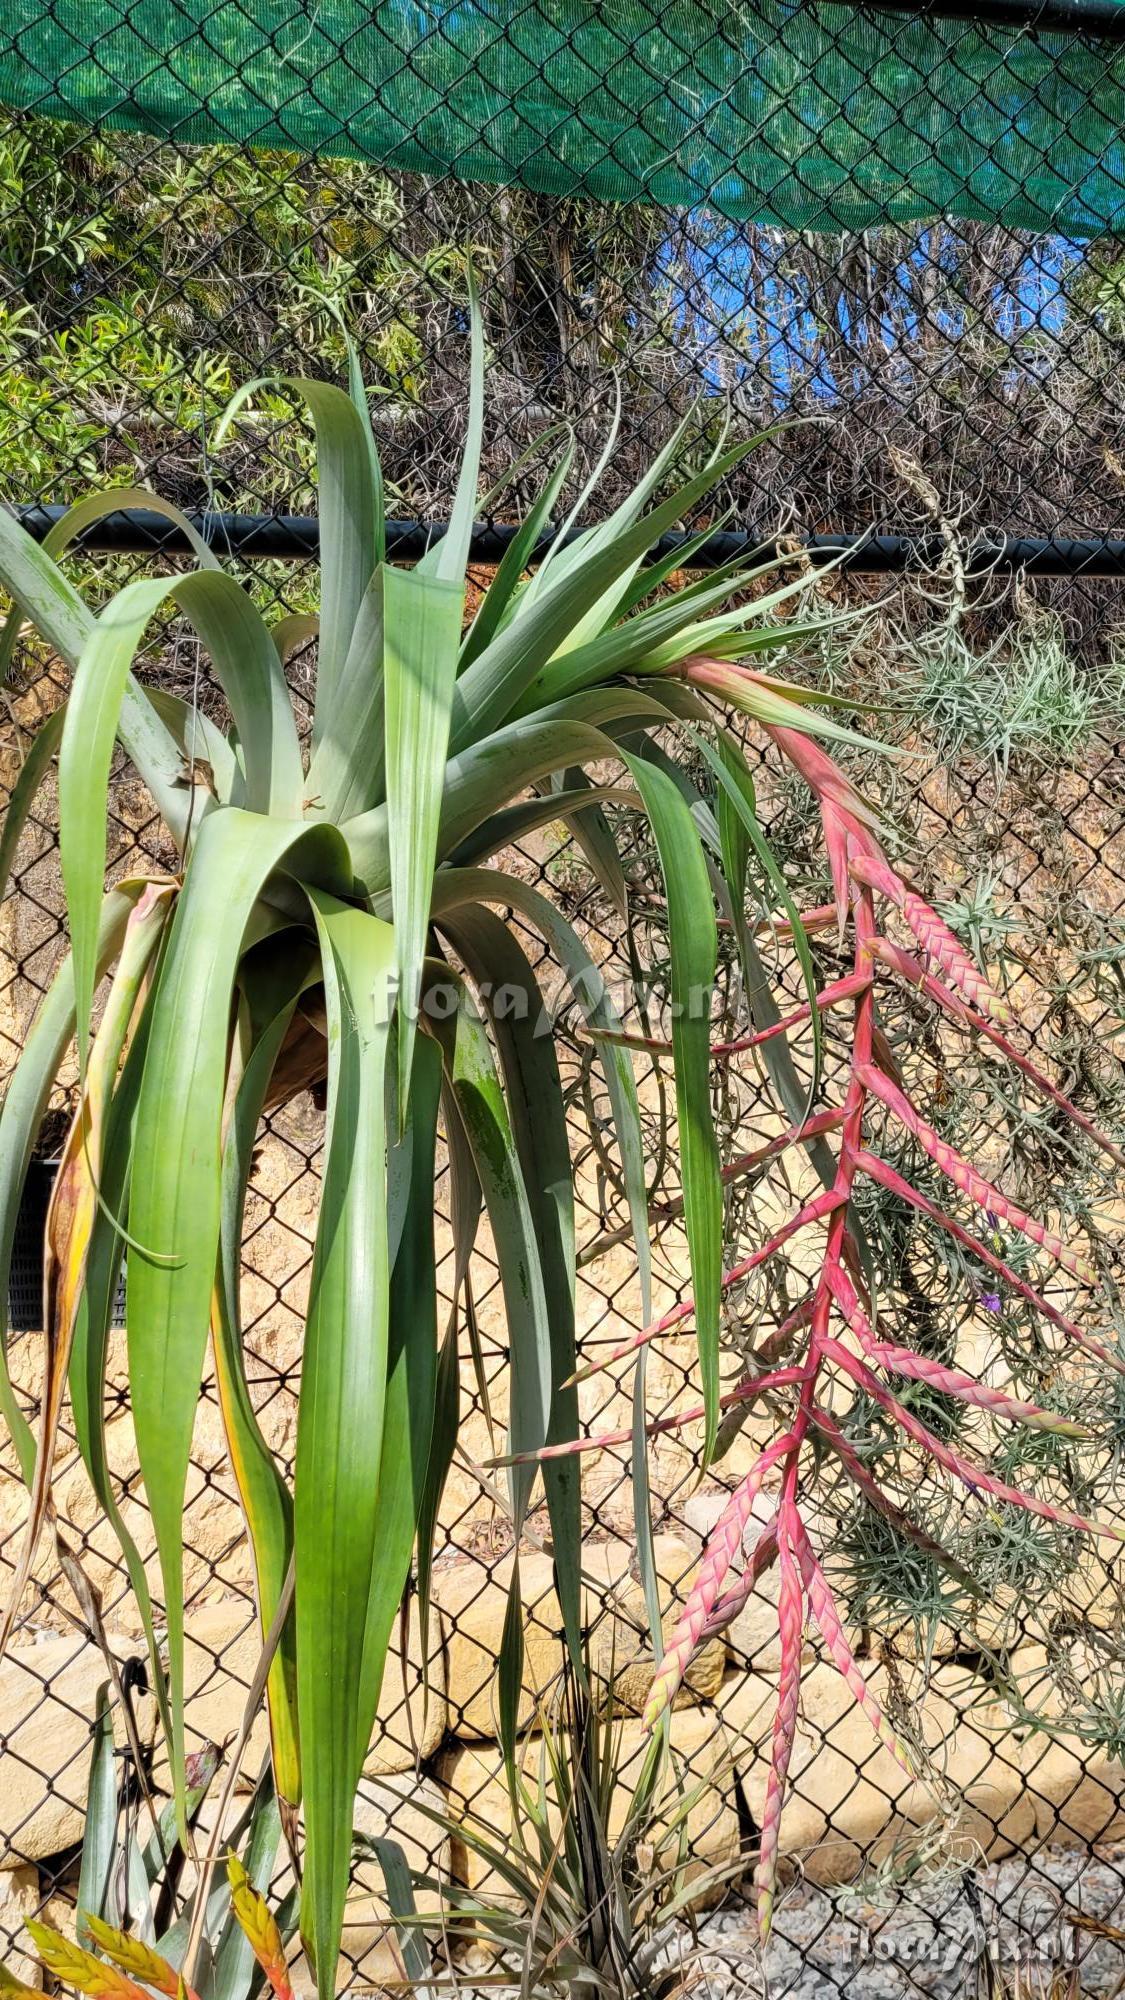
(404, 1910)
(357, 390)
(566, 555)
(496, 603)
(86, 1378)
(411, 1377)
(448, 558)
(533, 1087)
(421, 636)
(737, 799)
(456, 886)
(93, 507)
(346, 770)
(480, 1100)
(74, 1207)
(496, 682)
(58, 614)
(264, 1496)
(175, 1199)
(480, 779)
(26, 789)
(693, 944)
(591, 829)
(347, 508)
(208, 756)
(443, 1440)
(99, 1837)
(511, 823)
(24, 1104)
(248, 667)
(341, 1413)
(625, 646)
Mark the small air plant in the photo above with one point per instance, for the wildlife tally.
(596, 1878)
(836, 1315)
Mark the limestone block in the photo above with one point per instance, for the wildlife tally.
(222, 1644)
(221, 1652)
(1077, 1792)
(413, 1715)
(473, 1597)
(48, 1693)
(621, 1651)
(477, 1791)
(1095, 1588)
(394, 1808)
(848, 1797)
(19, 1899)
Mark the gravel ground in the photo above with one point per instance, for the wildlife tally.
(1005, 1932)
(939, 1936)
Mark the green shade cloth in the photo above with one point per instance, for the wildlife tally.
(813, 116)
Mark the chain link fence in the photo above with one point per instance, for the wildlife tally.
(949, 382)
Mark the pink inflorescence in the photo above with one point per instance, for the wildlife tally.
(831, 1326)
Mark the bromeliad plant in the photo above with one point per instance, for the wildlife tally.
(589, 1892)
(313, 884)
(148, 1921)
(833, 1328)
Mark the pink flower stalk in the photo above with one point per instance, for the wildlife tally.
(761, 1558)
(835, 995)
(938, 942)
(848, 821)
(888, 1177)
(743, 1392)
(791, 1625)
(965, 1176)
(954, 1382)
(822, 1604)
(777, 1343)
(976, 1477)
(915, 974)
(813, 1211)
(722, 1547)
(939, 1375)
(860, 873)
(816, 1127)
(864, 1479)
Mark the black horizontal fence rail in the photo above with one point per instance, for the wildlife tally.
(1098, 20)
(258, 537)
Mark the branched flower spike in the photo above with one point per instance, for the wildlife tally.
(839, 1335)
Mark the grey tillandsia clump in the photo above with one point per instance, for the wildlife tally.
(589, 1887)
(312, 883)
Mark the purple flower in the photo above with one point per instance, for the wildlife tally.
(992, 1219)
(990, 1301)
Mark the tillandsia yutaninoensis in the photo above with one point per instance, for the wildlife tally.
(312, 880)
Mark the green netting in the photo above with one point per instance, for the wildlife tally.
(815, 116)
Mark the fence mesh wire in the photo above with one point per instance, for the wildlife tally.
(934, 378)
